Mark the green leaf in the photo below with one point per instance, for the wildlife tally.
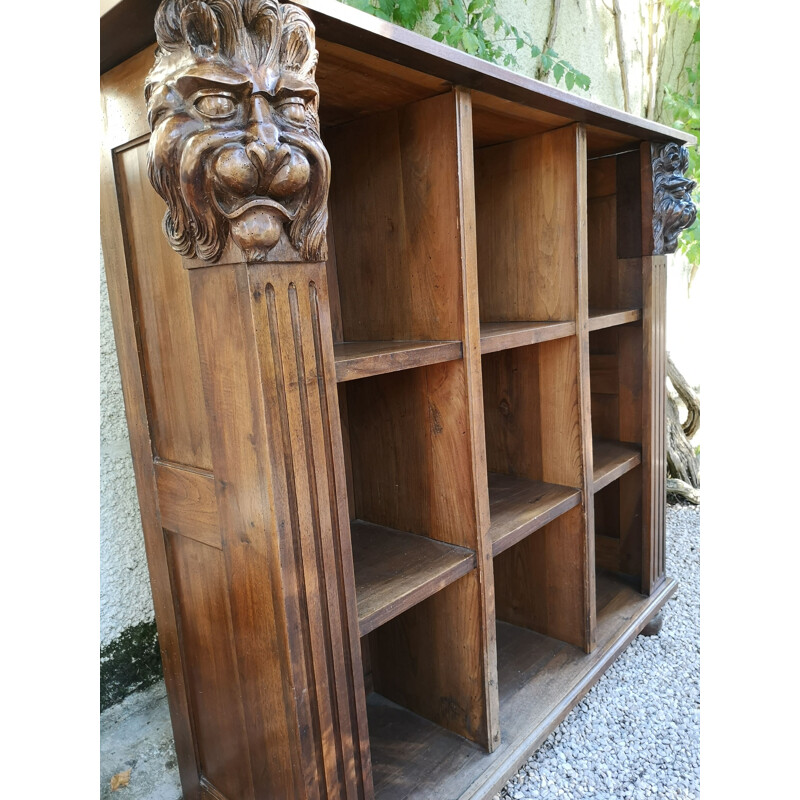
(569, 80)
(558, 72)
(470, 42)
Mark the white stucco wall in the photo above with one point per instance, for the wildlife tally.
(586, 37)
(124, 584)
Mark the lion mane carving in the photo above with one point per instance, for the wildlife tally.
(673, 208)
(235, 148)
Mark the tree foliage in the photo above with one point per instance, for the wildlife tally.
(682, 111)
(477, 28)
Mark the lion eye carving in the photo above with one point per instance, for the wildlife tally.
(294, 110)
(216, 106)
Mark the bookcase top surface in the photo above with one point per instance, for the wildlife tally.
(126, 27)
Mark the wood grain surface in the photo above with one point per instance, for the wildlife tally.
(395, 570)
(496, 432)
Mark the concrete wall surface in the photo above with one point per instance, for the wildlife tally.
(586, 37)
(125, 598)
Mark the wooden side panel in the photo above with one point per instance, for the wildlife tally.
(526, 209)
(125, 120)
(394, 208)
(164, 313)
(198, 576)
(267, 361)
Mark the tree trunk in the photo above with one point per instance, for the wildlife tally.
(683, 466)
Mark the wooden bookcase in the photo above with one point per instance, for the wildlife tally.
(402, 491)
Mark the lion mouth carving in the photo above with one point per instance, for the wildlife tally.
(235, 149)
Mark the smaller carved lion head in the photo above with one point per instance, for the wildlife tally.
(233, 109)
(673, 208)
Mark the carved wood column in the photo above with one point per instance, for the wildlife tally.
(235, 153)
(667, 209)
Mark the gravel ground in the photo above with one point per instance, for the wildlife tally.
(635, 735)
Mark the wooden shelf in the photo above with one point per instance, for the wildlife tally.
(540, 680)
(606, 318)
(518, 507)
(504, 335)
(395, 570)
(363, 359)
(612, 460)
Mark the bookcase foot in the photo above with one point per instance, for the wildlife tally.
(653, 628)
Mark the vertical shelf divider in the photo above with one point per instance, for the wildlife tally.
(584, 388)
(416, 449)
(472, 364)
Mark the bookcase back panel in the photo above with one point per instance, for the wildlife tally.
(409, 452)
(166, 327)
(394, 211)
(526, 208)
(531, 412)
(614, 225)
(618, 525)
(431, 660)
(616, 363)
(539, 582)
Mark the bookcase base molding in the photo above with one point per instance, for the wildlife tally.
(394, 374)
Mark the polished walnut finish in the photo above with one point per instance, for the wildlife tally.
(399, 446)
(233, 107)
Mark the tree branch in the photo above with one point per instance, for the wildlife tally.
(688, 398)
(682, 489)
(541, 72)
(623, 61)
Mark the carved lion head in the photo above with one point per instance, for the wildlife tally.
(673, 207)
(235, 148)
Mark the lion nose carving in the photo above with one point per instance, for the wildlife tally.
(262, 132)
